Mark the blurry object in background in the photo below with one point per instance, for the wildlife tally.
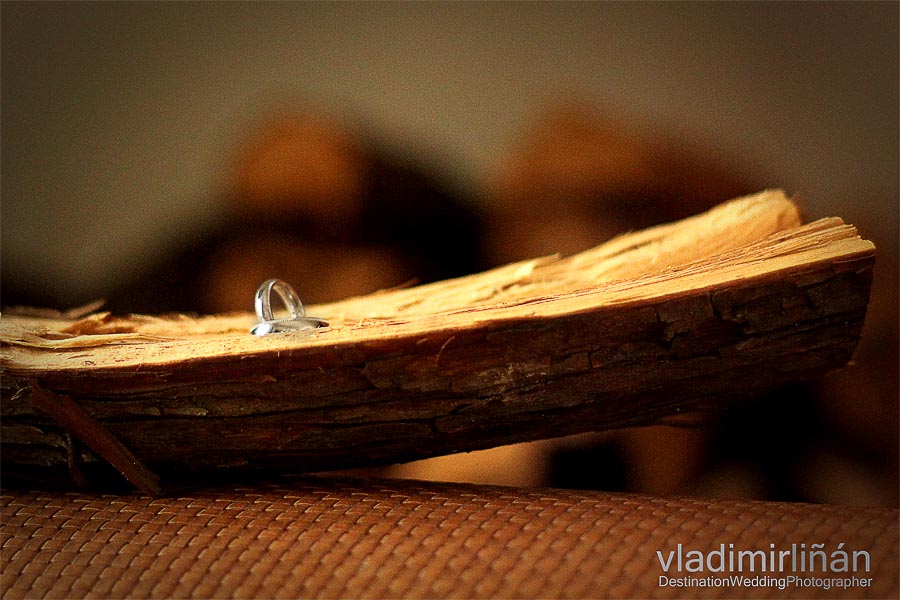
(578, 178)
(323, 207)
(302, 167)
(525, 464)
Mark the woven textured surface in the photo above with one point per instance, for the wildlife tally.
(334, 538)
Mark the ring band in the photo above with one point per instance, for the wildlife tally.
(298, 321)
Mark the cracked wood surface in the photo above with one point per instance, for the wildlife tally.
(728, 303)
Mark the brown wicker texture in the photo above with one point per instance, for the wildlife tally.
(337, 538)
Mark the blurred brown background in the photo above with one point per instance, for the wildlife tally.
(172, 156)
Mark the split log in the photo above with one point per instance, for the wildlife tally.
(726, 304)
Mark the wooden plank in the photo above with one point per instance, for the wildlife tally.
(651, 324)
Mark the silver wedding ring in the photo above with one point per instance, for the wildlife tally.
(298, 321)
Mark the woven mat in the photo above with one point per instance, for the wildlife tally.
(338, 538)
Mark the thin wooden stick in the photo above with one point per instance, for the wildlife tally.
(78, 423)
